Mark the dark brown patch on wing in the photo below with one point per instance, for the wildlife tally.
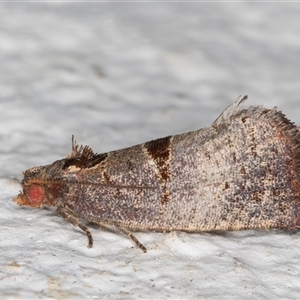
(84, 158)
(160, 151)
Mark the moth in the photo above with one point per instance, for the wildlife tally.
(242, 172)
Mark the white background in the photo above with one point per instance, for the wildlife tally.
(117, 74)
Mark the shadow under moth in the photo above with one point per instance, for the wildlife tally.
(242, 172)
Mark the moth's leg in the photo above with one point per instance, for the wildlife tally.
(133, 238)
(71, 217)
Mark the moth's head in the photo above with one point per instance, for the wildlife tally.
(37, 190)
(32, 195)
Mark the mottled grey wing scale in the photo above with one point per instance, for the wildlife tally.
(240, 173)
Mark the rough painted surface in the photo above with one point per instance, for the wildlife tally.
(116, 75)
(240, 173)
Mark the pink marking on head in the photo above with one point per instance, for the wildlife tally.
(35, 194)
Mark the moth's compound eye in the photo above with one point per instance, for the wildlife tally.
(35, 194)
